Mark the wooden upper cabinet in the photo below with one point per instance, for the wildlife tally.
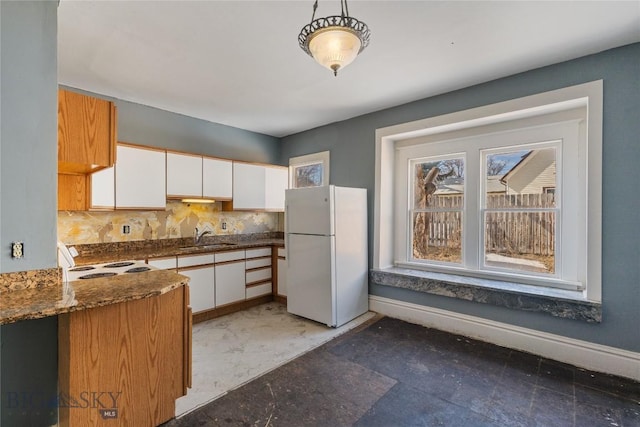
(86, 133)
(72, 192)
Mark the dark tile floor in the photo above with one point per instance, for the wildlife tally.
(392, 373)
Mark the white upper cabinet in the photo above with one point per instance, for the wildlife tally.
(259, 187)
(145, 177)
(184, 175)
(195, 176)
(217, 178)
(103, 195)
(276, 181)
(248, 186)
(140, 178)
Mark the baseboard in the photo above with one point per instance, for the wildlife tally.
(579, 353)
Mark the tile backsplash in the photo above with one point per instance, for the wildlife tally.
(176, 221)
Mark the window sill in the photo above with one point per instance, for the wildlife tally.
(556, 302)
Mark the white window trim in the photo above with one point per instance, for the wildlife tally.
(588, 94)
(310, 159)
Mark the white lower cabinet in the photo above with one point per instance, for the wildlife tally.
(230, 268)
(230, 286)
(224, 277)
(201, 272)
(258, 273)
(165, 263)
(259, 290)
(201, 287)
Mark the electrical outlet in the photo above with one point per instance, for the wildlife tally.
(224, 225)
(126, 229)
(17, 250)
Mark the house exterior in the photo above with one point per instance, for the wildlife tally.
(535, 173)
(455, 186)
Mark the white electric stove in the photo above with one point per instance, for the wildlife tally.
(85, 272)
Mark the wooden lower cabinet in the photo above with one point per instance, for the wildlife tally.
(125, 364)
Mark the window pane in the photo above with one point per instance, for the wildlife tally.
(526, 178)
(308, 175)
(520, 215)
(438, 183)
(522, 241)
(437, 236)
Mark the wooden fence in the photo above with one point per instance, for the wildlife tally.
(507, 232)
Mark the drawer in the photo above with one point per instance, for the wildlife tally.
(282, 252)
(163, 263)
(258, 262)
(257, 253)
(187, 261)
(258, 275)
(229, 256)
(256, 291)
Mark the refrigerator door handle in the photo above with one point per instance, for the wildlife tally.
(286, 249)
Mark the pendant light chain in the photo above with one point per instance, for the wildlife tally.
(313, 15)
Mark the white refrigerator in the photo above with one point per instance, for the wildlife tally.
(326, 245)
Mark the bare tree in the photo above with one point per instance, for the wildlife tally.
(495, 166)
(451, 168)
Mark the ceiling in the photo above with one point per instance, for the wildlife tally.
(238, 62)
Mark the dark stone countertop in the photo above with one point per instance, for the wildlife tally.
(180, 248)
(22, 297)
(38, 302)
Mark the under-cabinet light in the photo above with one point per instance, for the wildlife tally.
(198, 201)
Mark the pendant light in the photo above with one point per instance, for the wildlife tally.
(334, 41)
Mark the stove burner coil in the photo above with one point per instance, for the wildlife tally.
(85, 268)
(119, 264)
(137, 270)
(97, 275)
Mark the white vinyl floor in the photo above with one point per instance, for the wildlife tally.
(234, 349)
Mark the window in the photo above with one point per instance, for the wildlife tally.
(507, 192)
(520, 220)
(311, 170)
(478, 205)
(437, 209)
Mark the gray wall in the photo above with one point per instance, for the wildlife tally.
(28, 158)
(140, 124)
(29, 133)
(352, 146)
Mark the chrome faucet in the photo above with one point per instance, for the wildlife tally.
(197, 237)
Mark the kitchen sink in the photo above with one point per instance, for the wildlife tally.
(208, 246)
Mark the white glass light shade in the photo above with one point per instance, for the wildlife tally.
(334, 47)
